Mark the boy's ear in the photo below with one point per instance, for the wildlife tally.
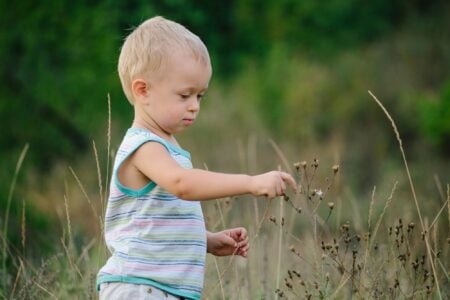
(140, 89)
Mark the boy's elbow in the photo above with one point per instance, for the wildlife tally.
(181, 188)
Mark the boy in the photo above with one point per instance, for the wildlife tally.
(154, 224)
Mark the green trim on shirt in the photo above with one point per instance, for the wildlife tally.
(138, 280)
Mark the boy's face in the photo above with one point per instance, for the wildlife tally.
(173, 100)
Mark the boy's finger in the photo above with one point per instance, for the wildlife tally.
(283, 186)
(243, 243)
(288, 178)
(241, 233)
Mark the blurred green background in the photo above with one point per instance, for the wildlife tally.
(296, 72)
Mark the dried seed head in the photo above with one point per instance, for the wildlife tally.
(303, 164)
(345, 227)
(330, 205)
(423, 233)
(297, 166)
(335, 169)
(315, 163)
(273, 219)
(319, 193)
(292, 248)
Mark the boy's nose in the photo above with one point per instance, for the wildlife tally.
(194, 105)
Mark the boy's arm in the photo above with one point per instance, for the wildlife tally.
(153, 160)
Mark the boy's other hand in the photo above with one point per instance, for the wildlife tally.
(228, 242)
(272, 184)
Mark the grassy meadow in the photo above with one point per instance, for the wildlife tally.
(325, 242)
(371, 218)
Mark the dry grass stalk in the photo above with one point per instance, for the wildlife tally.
(280, 243)
(83, 190)
(16, 281)
(221, 275)
(45, 290)
(220, 278)
(411, 184)
(377, 225)
(108, 148)
(99, 175)
(448, 204)
(23, 227)
(8, 207)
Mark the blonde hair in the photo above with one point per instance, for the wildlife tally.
(147, 49)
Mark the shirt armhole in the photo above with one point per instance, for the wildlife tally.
(146, 188)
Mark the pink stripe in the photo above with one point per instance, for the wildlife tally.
(146, 268)
(194, 223)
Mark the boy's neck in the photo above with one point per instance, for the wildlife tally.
(159, 132)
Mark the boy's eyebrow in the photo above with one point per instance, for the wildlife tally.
(192, 88)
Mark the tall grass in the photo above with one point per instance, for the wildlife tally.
(312, 244)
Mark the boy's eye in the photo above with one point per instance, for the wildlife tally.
(201, 96)
(185, 96)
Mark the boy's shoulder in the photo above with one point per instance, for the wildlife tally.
(136, 137)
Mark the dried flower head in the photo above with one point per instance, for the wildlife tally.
(273, 219)
(335, 168)
(315, 163)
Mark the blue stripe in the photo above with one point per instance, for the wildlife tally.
(160, 262)
(168, 216)
(116, 216)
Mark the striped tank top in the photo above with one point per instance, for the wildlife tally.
(154, 237)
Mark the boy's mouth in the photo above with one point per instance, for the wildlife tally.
(188, 121)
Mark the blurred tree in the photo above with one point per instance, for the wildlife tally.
(59, 59)
(435, 118)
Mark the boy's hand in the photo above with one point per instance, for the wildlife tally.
(271, 184)
(228, 242)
